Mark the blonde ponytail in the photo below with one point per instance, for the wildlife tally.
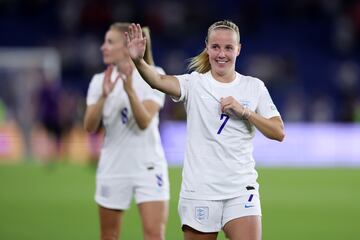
(148, 56)
(200, 63)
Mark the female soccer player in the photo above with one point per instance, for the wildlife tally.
(219, 187)
(132, 162)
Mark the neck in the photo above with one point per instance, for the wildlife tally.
(120, 65)
(225, 78)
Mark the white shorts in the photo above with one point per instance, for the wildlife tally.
(212, 215)
(117, 193)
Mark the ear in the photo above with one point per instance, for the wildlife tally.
(239, 49)
(206, 46)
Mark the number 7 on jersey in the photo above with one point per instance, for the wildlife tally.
(223, 124)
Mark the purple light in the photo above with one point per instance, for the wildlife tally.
(305, 145)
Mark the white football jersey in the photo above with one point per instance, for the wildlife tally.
(127, 150)
(218, 162)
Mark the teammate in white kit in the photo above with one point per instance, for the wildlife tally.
(219, 188)
(132, 162)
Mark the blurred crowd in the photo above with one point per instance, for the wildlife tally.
(306, 51)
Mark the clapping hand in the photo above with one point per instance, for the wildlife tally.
(108, 85)
(126, 69)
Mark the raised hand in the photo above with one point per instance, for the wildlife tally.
(108, 85)
(136, 43)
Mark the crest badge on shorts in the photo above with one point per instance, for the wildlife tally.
(201, 213)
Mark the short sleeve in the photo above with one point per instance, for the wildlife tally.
(94, 90)
(266, 106)
(184, 87)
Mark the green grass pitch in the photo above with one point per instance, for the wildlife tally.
(56, 203)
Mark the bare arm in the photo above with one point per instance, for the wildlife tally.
(136, 44)
(93, 113)
(164, 83)
(143, 111)
(272, 128)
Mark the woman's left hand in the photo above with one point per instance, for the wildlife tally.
(126, 70)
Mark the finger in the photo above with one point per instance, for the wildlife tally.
(139, 31)
(224, 101)
(108, 69)
(133, 31)
(108, 73)
(117, 78)
(127, 37)
(222, 106)
(226, 106)
(225, 109)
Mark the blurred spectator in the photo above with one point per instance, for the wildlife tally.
(344, 35)
(294, 106)
(48, 108)
(69, 16)
(321, 109)
(56, 113)
(288, 44)
(347, 81)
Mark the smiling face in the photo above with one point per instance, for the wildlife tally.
(223, 47)
(114, 48)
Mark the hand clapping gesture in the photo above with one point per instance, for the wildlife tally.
(136, 42)
(126, 69)
(108, 85)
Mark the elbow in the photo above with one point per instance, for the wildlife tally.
(143, 126)
(280, 136)
(88, 128)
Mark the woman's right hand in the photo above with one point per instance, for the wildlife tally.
(108, 85)
(136, 43)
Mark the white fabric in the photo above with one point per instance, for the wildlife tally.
(211, 215)
(220, 166)
(152, 185)
(127, 150)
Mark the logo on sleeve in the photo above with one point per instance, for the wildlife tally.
(245, 103)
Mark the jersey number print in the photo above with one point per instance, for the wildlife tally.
(124, 115)
(223, 124)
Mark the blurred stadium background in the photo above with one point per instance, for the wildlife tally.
(306, 51)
